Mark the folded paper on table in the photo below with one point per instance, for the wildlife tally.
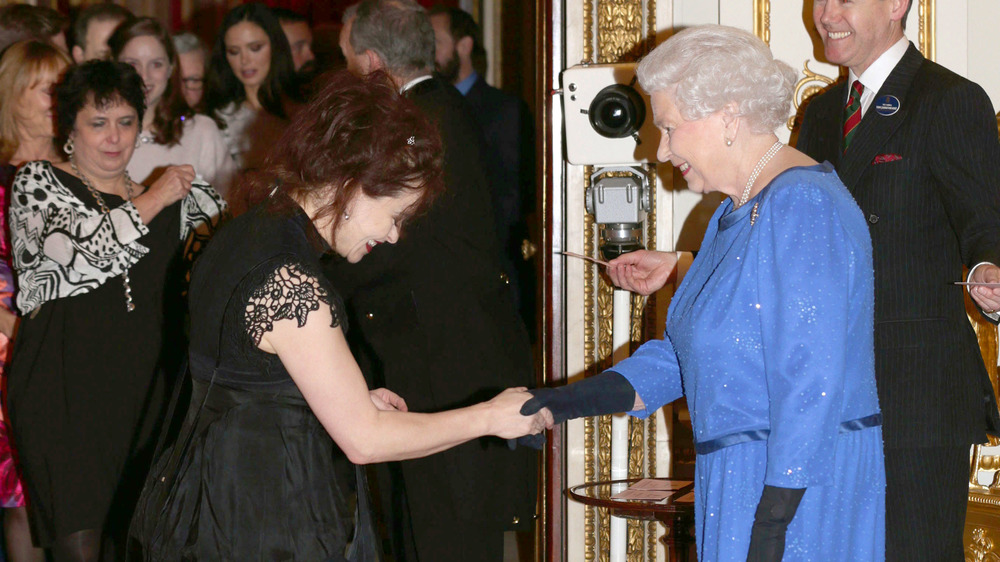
(651, 489)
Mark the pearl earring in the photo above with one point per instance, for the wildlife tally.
(729, 142)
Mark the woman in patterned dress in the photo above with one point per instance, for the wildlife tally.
(100, 271)
(30, 68)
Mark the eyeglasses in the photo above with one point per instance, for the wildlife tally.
(193, 83)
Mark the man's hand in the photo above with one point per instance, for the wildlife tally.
(988, 298)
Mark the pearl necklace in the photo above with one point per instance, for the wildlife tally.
(129, 305)
(756, 171)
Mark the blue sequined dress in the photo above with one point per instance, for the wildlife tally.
(770, 338)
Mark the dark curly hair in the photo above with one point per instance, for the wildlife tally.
(170, 113)
(357, 135)
(222, 87)
(101, 82)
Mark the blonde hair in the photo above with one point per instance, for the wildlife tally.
(23, 65)
(711, 66)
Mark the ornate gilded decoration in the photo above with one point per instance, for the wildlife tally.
(604, 474)
(762, 20)
(812, 83)
(928, 30)
(625, 30)
(619, 30)
(981, 549)
(589, 424)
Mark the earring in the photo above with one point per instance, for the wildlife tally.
(347, 215)
(68, 147)
(729, 142)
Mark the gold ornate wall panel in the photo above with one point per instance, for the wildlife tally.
(620, 30)
(615, 31)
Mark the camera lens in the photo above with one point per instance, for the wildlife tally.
(617, 111)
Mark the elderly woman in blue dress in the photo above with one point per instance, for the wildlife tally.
(770, 333)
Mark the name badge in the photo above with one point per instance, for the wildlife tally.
(887, 105)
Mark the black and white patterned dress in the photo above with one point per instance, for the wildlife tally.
(88, 386)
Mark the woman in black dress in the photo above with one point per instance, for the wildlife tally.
(254, 474)
(99, 264)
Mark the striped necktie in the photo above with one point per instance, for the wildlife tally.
(852, 112)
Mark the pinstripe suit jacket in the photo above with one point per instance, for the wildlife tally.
(930, 211)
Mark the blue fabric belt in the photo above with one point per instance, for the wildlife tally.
(714, 445)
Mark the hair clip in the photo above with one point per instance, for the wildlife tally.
(412, 140)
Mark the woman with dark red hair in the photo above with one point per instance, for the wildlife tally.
(262, 468)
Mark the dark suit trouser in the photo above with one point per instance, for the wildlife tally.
(927, 490)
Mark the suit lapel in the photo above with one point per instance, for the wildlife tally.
(875, 128)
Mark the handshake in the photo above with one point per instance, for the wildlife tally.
(605, 393)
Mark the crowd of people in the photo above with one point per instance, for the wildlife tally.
(230, 283)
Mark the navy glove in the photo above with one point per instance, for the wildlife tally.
(604, 393)
(775, 511)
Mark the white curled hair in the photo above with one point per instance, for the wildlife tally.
(711, 66)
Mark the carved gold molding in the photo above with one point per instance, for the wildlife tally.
(604, 474)
(811, 83)
(589, 344)
(588, 32)
(927, 33)
(614, 31)
(762, 20)
(981, 547)
(619, 30)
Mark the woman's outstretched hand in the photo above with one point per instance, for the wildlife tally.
(385, 399)
(642, 271)
(506, 420)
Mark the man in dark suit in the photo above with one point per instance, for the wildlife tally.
(508, 133)
(433, 317)
(917, 146)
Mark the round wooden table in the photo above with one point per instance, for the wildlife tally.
(676, 512)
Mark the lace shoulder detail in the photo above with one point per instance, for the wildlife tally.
(290, 291)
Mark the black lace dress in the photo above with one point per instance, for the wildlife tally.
(252, 475)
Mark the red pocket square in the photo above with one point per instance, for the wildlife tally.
(883, 158)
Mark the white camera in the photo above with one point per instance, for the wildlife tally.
(608, 120)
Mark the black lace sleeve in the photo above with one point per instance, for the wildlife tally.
(289, 291)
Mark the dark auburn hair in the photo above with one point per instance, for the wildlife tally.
(356, 135)
(172, 110)
(101, 82)
(222, 87)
